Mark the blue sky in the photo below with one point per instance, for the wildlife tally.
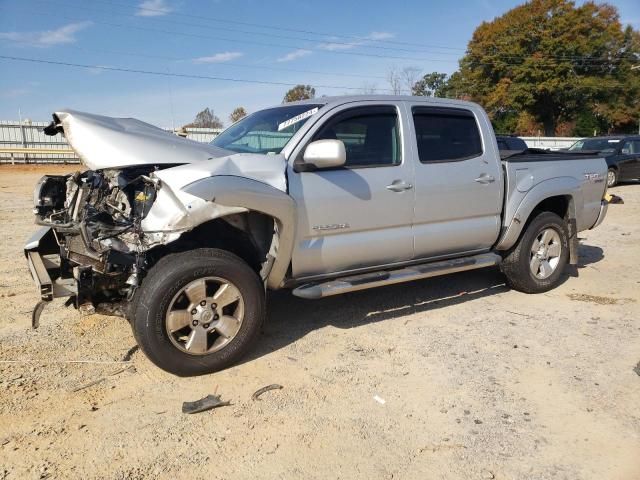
(347, 45)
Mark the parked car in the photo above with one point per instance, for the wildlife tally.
(622, 154)
(322, 197)
(509, 143)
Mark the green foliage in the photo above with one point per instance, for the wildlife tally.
(299, 92)
(237, 114)
(431, 85)
(587, 125)
(505, 124)
(553, 60)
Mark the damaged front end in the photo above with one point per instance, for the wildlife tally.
(91, 247)
(150, 193)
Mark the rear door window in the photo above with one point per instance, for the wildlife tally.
(446, 134)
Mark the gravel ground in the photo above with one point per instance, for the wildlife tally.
(453, 377)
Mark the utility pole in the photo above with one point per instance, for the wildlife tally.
(23, 140)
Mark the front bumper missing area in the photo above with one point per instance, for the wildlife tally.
(43, 255)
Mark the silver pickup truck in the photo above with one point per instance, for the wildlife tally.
(322, 197)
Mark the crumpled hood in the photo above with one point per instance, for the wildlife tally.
(269, 169)
(107, 142)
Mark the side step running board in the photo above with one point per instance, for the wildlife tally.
(389, 277)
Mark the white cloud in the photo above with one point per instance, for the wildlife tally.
(360, 42)
(380, 35)
(332, 47)
(218, 57)
(301, 52)
(153, 8)
(97, 70)
(47, 38)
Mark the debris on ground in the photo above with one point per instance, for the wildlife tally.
(379, 399)
(37, 311)
(204, 404)
(583, 297)
(130, 352)
(637, 369)
(257, 393)
(102, 379)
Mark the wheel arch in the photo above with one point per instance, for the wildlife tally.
(262, 202)
(560, 195)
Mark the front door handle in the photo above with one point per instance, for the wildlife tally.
(399, 186)
(484, 179)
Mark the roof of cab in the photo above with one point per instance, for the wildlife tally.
(341, 99)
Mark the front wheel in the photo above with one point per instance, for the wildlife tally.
(535, 264)
(612, 177)
(198, 312)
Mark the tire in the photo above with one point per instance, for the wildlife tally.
(519, 263)
(186, 344)
(612, 177)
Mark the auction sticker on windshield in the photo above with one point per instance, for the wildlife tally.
(297, 118)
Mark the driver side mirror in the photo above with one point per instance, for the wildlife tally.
(325, 154)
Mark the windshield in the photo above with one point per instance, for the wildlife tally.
(266, 131)
(596, 145)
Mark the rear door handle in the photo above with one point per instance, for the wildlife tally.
(399, 186)
(484, 179)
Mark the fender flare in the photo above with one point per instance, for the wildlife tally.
(232, 191)
(555, 187)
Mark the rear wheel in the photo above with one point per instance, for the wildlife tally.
(537, 261)
(612, 177)
(198, 312)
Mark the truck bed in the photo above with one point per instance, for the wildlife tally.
(532, 175)
(539, 155)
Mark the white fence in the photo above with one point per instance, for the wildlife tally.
(17, 138)
(550, 143)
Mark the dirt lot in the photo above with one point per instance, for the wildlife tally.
(474, 381)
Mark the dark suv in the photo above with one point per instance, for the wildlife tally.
(622, 154)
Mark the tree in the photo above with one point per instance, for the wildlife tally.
(409, 76)
(552, 60)
(394, 79)
(431, 85)
(237, 114)
(205, 119)
(299, 92)
(368, 88)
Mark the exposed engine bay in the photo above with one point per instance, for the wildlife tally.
(96, 218)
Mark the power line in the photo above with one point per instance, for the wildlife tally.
(231, 64)
(255, 42)
(168, 74)
(273, 27)
(288, 47)
(364, 42)
(203, 77)
(578, 58)
(324, 34)
(583, 62)
(248, 42)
